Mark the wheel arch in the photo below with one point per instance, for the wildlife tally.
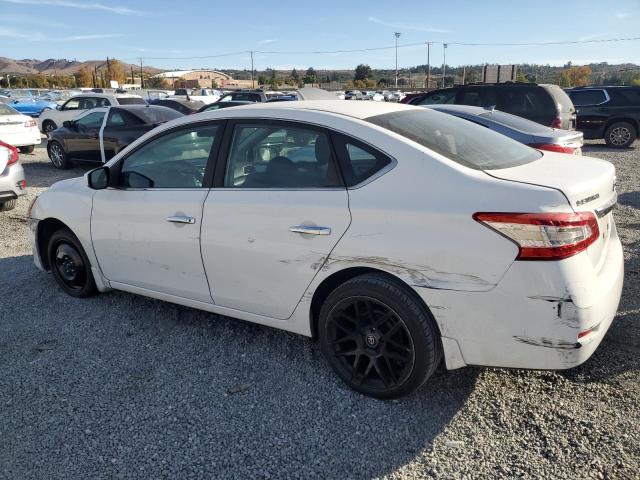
(634, 122)
(336, 279)
(46, 228)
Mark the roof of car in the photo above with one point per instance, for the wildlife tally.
(341, 107)
(466, 109)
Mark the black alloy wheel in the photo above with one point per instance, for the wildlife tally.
(378, 336)
(70, 265)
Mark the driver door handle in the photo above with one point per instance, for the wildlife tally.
(310, 230)
(181, 219)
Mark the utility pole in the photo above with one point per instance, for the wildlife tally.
(141, 80)
(428, 77)
(397, 34)
(444, 61)
(464, 73)
(108, 71)
(252, 84)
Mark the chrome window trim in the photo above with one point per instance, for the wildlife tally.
(606, 96)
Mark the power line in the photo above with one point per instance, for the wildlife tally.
(406, 45)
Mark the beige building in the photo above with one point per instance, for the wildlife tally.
(202, 78)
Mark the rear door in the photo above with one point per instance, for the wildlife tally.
(84, 142)
(278, 208)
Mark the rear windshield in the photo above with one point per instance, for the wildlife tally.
(158, 114)
(131, 101)
(464, 142)
(514, 121)
(6, 110)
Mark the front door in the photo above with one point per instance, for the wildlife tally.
(278, 209)
(84, 143)
(146, 229)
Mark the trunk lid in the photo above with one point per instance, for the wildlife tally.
(12, 123)
(587, 183)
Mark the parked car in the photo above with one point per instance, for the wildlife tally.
(52, 119)
(185, 107)
(546, 104)
(206, 95)
(12, 181)
(396, 235)
(244, 96)
(353, 95)
(520, 129)
(18, 130)
(31, 106)
(612, 113)
(218, 105)
(99, 134)
(149, 95)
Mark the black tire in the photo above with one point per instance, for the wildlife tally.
(8, 205)
(378, 337)
(58, 156)
(27, 149)
(48, 126)
(620, 135)
(70, 265)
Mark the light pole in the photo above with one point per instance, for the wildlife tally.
(252, 84)
(397, 34)
(444, 61)
(428, 80)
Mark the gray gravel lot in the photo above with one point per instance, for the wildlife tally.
(121, 386)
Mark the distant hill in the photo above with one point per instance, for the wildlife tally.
(58, 66)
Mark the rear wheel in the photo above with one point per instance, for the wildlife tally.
(48, 126)
(8, 205)
(70, 265)
(27, 149)
(378, 337)
(620, 135)
(57, 155)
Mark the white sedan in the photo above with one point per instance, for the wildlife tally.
(18, 130)
(397, 235)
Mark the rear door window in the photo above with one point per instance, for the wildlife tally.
(359, 162)
(478, 97)
(121, 118)
(585, 98)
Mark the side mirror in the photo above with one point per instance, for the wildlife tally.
(98, 179)
(68, 124)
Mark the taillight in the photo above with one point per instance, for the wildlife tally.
(544, 236)
(553, 147)
(556, 123)
(30, 123)
(10, 151)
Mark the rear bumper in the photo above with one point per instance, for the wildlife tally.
(10, 183)
(532, 319)
(30, 136)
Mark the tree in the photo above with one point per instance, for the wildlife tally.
(156, 82)
(116, 71)
(84, 77)
(262, 80)
(575, 77)
(310, 76)
(294, 75)
(362, 72)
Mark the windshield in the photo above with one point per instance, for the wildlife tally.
(463, 142)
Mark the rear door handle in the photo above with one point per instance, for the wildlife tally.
(181, 219)
(310, 230)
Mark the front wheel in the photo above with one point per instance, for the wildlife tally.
(379, 339)
(57, 155)
(27, 149)
(48, 126)
(70, 265)
(620, 135)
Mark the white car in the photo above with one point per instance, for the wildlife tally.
(12, 181)
(51, 119)
(396, 235)
(18, 130)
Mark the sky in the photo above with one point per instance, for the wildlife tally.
(164, 33)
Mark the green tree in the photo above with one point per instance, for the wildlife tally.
(262, 80)
(294, 75)
(310, 76)
(362, 72)
(84, 77)
(575, 76)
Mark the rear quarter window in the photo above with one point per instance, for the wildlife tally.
(457, 139)
(585, 98)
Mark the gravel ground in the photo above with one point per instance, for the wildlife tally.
(121, 386)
